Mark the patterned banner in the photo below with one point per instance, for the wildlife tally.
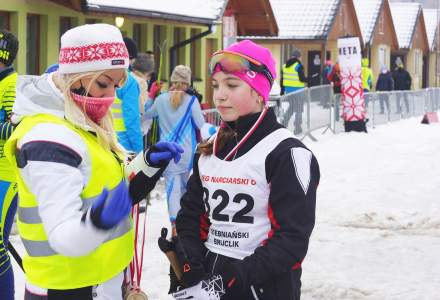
(353, 105)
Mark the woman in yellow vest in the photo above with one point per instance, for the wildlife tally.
(8, 187)
(74, 204)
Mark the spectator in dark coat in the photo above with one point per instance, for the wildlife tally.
(384, 83)
(402, 82)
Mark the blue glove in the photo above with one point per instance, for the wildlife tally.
(162, 152)
(111, 207)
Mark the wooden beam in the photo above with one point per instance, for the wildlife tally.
(254, 17)
(76, 4)
(72, 4)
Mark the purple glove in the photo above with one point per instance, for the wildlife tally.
(111, 208)
(162, 152)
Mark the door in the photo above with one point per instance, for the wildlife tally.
(314, 67)
(4, 20)
(33, 45)
(425, 72)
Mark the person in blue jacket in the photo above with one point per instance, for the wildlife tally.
(126, 114)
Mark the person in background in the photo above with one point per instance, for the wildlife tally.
(142, 68)
(8, 185)
(52, 68)
(74, 200)
(179, 116)
(402, 83)
(326, 71)
(125, 109)
(367, 80)
(153, 75)
(385, 83)
(334, 77)
(293, 79)
(246, 219)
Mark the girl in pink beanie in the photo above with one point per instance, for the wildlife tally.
(245, 222)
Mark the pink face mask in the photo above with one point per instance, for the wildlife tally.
(94, 108)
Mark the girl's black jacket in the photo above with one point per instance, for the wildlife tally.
(279, 260)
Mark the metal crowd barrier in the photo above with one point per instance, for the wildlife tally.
(306, 111)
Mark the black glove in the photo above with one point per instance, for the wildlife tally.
(231, 281)
(213, 287)
(192, 273)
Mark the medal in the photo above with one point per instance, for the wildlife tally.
(135, 295)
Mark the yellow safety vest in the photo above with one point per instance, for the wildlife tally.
(291, 76)
(7, 98)
(46, 268)
(118, 121)
(367, 75)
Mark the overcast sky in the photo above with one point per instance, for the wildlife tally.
(426, 3)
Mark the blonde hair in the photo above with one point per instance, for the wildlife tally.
(177, 91)
(104, 130)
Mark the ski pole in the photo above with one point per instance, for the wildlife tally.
(167, 247)
(15, 255)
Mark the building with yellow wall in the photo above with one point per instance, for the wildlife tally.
(432, 29)
(378, 32)
(413, 41)
(313, 27)
(39, 25)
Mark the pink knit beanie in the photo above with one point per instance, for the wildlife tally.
(258, 81)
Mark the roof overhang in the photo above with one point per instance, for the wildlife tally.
(73, 4)
(385, 7)
(254, 17)
(284, 39)
(102, 9)
(420, 18)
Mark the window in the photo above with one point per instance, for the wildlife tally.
(196, 47)
(159, 37)
(65, 24)
(417, 62)
(4, 20)
(137, 35)
(92, 21)
(382, 56)
(438, 63)
(179, 36)
(33, 45)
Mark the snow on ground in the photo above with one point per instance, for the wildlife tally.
(377, 233)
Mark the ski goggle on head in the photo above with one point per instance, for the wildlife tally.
(236, 62)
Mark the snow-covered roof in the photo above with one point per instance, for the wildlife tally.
(208, 10)
(431, 25)
(405, 18)
(299, 19)
(367, 12)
